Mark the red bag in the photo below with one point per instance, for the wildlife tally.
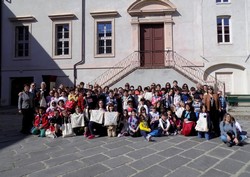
(188, 128)
(70, 105)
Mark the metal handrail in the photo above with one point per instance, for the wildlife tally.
(172, 59)
(118, 70)
(192, 71)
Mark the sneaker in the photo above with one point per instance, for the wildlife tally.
(229, 144)
(91, 137)
(149, 138)
(175, 133)
(119, 135)
(85, 135)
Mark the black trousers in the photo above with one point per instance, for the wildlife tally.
(28, 116)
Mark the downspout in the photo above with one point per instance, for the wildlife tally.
(1, 15)
(82, 61)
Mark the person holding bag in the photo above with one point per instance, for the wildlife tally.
(188, 118)
(67, 130)
(203, 124)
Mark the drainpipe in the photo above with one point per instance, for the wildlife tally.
(1, 6)
(82, 61)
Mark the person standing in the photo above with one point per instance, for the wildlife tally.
(211, 101)
(26, 107)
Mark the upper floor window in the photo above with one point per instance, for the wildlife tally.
(222, 1)
(62, 35)
(62, 39)
(223, 29)
(104, 37)
(104, 33)
(22, 36)
(22, 41)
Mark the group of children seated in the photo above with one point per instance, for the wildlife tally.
(116, 115)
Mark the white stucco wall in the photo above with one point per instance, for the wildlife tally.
(194, 37)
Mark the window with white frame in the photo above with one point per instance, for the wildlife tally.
(223, 29)
(104, 38)
(222, 1)
(22, 41)
(62, 40)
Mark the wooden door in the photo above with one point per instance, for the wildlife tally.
(152, 45)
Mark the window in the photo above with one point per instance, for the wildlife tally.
(62, 40)
(222, 1)
(21, 41)
(104, 38)
(223, 30)
(104, 33)
(62, 35)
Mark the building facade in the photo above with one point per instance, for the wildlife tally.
(111, 42)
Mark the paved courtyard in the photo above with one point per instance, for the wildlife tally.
(117, 157)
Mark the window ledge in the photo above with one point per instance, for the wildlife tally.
(62, 16)
(21, 58)
(104, 55)
(225, 43)
(62, 57)
(104, 14)
(223, 3)
(23, 19)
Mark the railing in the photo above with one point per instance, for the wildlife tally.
(192, 71)
(172, 59)
(118, 71)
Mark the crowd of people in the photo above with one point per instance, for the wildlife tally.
(149, 112)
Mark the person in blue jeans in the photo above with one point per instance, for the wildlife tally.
(229, 134)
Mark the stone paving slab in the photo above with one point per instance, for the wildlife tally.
(118, 157)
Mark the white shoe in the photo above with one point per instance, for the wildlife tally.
(119, 135)
(149, 138)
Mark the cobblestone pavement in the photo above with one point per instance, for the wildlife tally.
(117, 157)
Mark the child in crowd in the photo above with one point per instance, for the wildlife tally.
(142, 104)
(154, 118)
(177, 98)
(50, 110)
(163, 127)
(144, 128)
(156, 97)
(77, 121)
(112, 123)
(175, 124)
(124, 124)
(41, 123)
(203, 123)
(241, 133)
(197, 105)
(61, 105)
(180, 110)
(133, 122)
(56, 121)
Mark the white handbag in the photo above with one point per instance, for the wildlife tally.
(110, 118)
(97, 116)
(202, 124)
(67, 130)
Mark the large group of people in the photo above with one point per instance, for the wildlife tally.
(147, 112)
